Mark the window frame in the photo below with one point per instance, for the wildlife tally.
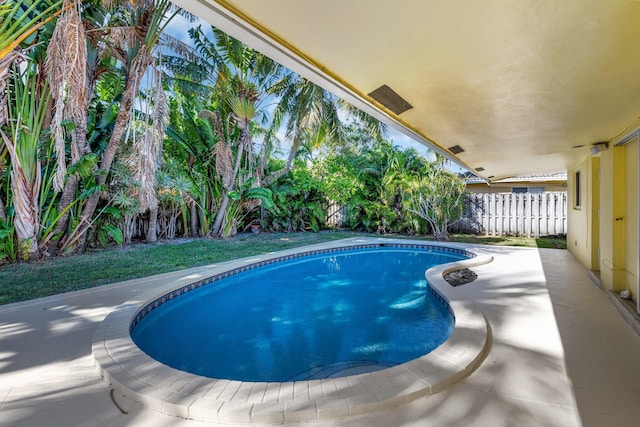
(577, 190)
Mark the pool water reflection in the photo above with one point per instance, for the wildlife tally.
(312, 317)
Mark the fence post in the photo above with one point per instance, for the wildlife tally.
(499, 216)
(544, 215)
(554, 213)
(562, 216)
(493, 215)
(510, 220)
(535, 214)
(527, 214)
(519, 214)
(485, 213)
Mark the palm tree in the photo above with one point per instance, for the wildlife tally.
(133, 31)
(310, 114)
(189, 148)
(368, 127)
(243, 111)
(18, 21)
(26, 108)
(122, 39)
(66, 66)
(23, 108)
(311, 118)
(242, 77)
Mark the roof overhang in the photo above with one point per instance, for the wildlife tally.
(516, 85)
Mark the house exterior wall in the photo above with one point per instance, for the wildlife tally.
(608, 216)
(507, 187)
(582, 233)
(630, 221)
(612, 209)
(594, 216)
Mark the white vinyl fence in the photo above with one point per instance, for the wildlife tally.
(336, 215)
(518, 214)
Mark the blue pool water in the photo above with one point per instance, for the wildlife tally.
(311, 317)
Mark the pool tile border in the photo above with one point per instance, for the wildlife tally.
(135, 375)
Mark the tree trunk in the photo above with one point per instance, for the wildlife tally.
(152, 232)
(68, 194)
(442, 236)
(171, 225)
(25, 205)
(25, 221)
(3, 212)
(79, 148)
(292, 153)
(194, 220)
(217, 224)
(129, 228)
(275, 176)
(119, 128)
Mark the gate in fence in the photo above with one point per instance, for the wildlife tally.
(519, 214)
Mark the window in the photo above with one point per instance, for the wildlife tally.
(577, 199)
(527, 189)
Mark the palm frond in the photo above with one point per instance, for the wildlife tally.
(5, 63)
(66, 68)
(180, 48)
(147, 148)
(243, 109)
(207, 49)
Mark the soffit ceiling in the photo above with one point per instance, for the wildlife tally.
(516, 84)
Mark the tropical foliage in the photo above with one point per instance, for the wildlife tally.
(113, 131)
(382, 186)
(437, 197)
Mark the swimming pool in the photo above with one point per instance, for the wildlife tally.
(131, 373)
(315, 316)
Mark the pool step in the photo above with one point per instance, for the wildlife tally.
(341, 369)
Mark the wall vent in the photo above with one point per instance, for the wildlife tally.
(456, 149)
(390, 100)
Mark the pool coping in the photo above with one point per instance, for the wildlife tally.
(137, 376)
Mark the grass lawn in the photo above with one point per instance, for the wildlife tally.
(19, 282)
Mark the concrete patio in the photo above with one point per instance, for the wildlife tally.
(561, 355)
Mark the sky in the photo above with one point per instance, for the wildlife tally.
(178, 28)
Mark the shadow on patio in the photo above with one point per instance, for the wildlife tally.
(561, 355)
(601, 350)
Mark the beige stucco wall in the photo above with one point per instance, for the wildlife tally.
(582, 234)
(594, 215)
(612, 206)
(608, 216)
(506, 187)
(630, 220)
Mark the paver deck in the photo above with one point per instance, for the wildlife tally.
(561, 355)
